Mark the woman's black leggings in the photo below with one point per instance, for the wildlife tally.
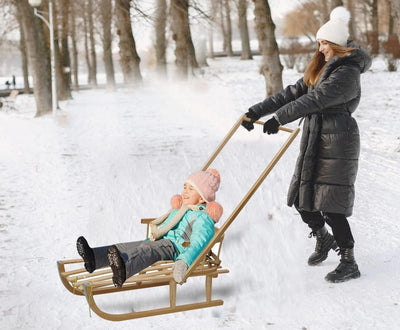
(338, 222)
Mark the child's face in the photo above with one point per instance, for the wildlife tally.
(190, 196)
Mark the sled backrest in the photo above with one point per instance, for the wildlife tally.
(220, 233)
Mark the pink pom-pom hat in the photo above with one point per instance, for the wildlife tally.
(206, 183)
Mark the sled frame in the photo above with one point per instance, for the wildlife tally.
(207, 264)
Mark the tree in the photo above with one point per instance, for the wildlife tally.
(24, 55)
(74, 46)
(129, 58)
(213, 14)
(244, 31)
(228, 31)
(92, 45)
(374, 34)
(161, 41)
(271, 66)
(184, 50)
(38, 57)
(65, 62)
(395, 10)
(106, 18)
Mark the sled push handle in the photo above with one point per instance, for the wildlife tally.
(250, 193)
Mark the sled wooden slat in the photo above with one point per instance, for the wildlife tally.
(207, 264)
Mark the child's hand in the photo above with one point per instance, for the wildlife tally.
(180, 267)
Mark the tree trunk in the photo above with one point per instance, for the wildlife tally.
(374, 35)
(38, 57)
(161, 42)
(244, 31)
(222, 24)
(352, 28)
(106, 15)
(86, 42)
(395, 8)
(228, 49)
(24, 55)
(74, 48)
(265, 28)
(62, 93)
(129, 58)
(65, 58)
(192, 52)
(93, 60)
(213, 14)
(336, 3)
(180, 28)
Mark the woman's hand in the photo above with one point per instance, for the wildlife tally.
(271, 126)
(249, 124)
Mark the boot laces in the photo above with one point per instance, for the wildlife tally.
(319, 242)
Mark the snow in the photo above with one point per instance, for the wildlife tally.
(109, 159)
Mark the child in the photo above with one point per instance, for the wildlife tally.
(192, 217)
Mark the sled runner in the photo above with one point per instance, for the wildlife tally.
(208, 264)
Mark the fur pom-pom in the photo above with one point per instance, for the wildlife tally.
(176, 201)
(214, 172)
(214, 210)
(340, 14)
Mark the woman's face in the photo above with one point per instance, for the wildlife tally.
(325, 49)
(190, 196)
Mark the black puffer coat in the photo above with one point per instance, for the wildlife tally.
(327, 165)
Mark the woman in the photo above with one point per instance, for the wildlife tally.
(322, 187)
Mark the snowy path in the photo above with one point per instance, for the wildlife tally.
(112, 158)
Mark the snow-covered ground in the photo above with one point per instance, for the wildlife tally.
(109, 159)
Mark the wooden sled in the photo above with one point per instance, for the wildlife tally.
(207, 264)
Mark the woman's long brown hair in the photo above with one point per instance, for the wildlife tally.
(317, 63)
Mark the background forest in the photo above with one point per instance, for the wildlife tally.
(175, 38)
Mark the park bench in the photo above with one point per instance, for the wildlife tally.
(8, 103)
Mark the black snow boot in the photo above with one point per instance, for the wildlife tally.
(117, 266)
(86, 252)
(347, 268)
(325, 242)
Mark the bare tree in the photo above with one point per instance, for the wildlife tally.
(161, 42)
(92, 47)
(395, 10)
(184, 50)
(271, 66)
(38, 57)
(129, 58)
(374, 34)
(24, 55)
(74, 46)
(244, 30)
(106, 17)
(305, 19)
(228, 31)
(352, 28)
(213, 14)
(65, 58)
(336, 3)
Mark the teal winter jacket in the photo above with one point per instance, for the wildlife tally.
(196, 227)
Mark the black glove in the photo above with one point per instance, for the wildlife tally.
(271, 126)
(249, 124)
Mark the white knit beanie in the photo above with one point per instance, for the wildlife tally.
(336, 29)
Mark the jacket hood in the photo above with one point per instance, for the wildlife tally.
(359, 56)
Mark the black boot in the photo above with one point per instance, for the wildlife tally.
(325, 242)
(117, 266)
(347, 268)
(86, 252)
